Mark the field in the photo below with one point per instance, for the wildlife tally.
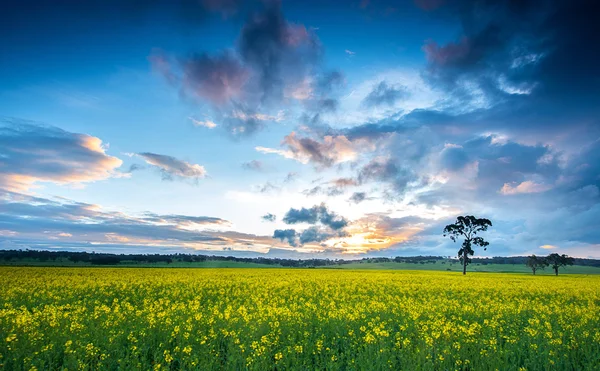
(446, 265)
(261, 319)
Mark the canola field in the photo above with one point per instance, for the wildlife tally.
(293, 319)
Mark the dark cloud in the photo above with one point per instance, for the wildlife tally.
(454, 158)
(314, 215)
(288, 235)
(253, 165)
(525, 47)
(310, 234)
(269, 217)
(499, 163)
(273, 61)
(280, 53)
(386, 171)
(303, 215)
(358, 197)
(315, 234)
(216, 79)
(384, 94)
(171, 168)
(31, 153)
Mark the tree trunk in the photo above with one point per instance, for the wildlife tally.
(556, 271)
(465, 262)
(533, 271)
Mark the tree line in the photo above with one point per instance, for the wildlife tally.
(115, 259)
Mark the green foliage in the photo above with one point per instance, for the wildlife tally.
(557, 261)
(536, 262)
(467, 227)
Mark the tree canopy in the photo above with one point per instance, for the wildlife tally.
(536, 262)
(557, 261)
(467, 227)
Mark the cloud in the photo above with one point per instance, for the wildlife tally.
(322, 154)
(280, 53)
(527, 186)
(269, 217)
(273, 60)
(314, 215)
(387, 171)
(384, 94)
(454, 157)
(31, 153)
(286, 234)
(310, 234)
(548, 247)
(216, 79)
(358, 197)
(254, 165)
(507, 48)
(206, 123)
(268, 187)
(349, 52)
(322, 92)
(290, 177)
(315, 234)
(171, 167)
(32, 219)
(335, 187)
(245, 115)
(134, 168)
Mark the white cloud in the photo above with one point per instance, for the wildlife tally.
(206, 123)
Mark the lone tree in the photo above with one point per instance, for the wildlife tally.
(468, 227)
(536, 262)
(557, 261)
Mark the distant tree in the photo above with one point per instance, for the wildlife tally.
(467, 227)
(557, 261)
(536, 262)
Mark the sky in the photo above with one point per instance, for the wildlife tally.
(299, 129)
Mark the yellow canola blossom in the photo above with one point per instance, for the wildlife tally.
(294, 319)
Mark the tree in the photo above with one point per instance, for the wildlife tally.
(557, 261)
(468, 227)
(536, 262)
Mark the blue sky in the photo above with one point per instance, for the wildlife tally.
(299, 129)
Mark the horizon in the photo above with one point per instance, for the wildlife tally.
(299, 130)
(301, 257)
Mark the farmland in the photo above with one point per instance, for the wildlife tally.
(257, 319)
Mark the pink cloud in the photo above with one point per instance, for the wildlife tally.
(525, 187)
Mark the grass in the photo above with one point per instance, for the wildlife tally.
(456, 267)
(443, 265)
